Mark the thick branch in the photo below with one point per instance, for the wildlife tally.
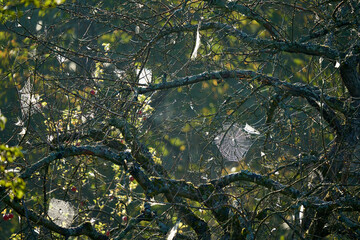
(350, 76)
(201, 193)
(304, 91)
(257, 179)
(145, 159)
(188, 190)
(99, 151)
(343, 203)
(196, 223)
(293, 89)
(328, 114)
(84, 229)
(176, 187)
(292, 47)
(152, 188)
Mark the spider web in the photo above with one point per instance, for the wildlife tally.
(233, 142)
(61, 212)
(28, 100)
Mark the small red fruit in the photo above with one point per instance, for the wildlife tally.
(92, 92)
(108, 234)
(6, 217)
(11, 216)
(140, 112)
(131, 178)
(124, 218)
(73, 189)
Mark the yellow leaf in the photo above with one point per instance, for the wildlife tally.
(229, 112)
(205, 85)
(186, 128)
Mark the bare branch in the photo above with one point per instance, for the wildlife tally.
(291, 47)
(249, 13)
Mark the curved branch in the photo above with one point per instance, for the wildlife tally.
(176, 188)
(144, 157)
(191, 219)
(200, 226)
(84, 229)
(199, 193)
(328, 114)
(99, 151)
(249, 13)
(291, 47)
(344, 203)
(309, 93)
(259, 180)
(293, 89)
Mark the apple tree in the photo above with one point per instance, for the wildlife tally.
(180, 119)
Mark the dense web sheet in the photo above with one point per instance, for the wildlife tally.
(233, 142)
(28, 100)
(61, 212)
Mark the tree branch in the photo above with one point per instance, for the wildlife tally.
(259, 180)
(145, 159)
(350, 76)
(309, 93)
(142, 153)
(84, 229)
(249, 13)
(99, 151)
(291, 47)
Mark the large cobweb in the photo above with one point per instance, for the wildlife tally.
(233, 142)
(61, 212)
(29, 101)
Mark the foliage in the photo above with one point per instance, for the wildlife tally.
(9, 177)
(180, 119)
(9, 10)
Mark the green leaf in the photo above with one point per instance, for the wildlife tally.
(2, 121)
